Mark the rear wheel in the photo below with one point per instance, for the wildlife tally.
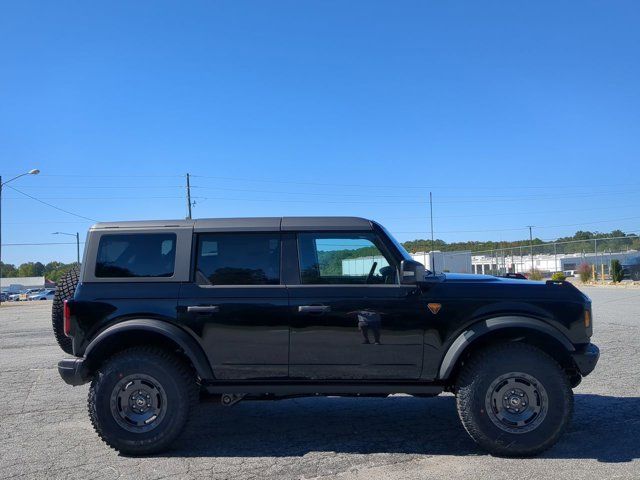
(514, 400)
(140, 399)
(66, 288)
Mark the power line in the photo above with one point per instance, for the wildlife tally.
(103, 198)
(370, 201)
(36, 244)
(459, 198)
(50, 205)
(75, 187)
(524, 228)
(40, 222)
(311, 183)
(83, 175)
(542, 212)
(422, 187)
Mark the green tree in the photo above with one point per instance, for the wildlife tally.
(31, 269)
(584, 270)
(616, 271)
(534, 274)
(9, 270)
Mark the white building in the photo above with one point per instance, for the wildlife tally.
(21, 282)
(546, 263)
(458, 262)
(464, 262)
(362, 265)
(437, 261)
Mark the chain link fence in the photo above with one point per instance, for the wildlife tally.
(544, 258)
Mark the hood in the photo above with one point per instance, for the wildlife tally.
(488, 285)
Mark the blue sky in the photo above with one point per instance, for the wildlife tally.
(512, 113)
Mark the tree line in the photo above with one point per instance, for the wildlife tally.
(52, 271)
(582, 241)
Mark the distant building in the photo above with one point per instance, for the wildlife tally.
(362, 265)
(458, 262)
(546, 263)
(437, 261)
(22, 282)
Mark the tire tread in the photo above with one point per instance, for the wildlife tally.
(65, 290)
(464, 392)
(187, 378)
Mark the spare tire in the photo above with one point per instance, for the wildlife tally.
(66, 288)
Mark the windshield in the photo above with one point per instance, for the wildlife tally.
(397, 244)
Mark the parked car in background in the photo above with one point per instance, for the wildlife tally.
(24, 296)
(631, 269)
(43, 295)
(14, 297)
(4, 297)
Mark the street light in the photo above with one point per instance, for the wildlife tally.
(35, 171)
(77, 242)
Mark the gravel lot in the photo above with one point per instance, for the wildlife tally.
(45, 432)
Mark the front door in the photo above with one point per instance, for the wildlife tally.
(237, 306)
(351, 319)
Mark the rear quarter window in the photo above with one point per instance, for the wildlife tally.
(136, 255)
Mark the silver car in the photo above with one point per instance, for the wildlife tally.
(43, 295)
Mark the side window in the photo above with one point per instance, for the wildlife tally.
(336, 258)
(239, 259)
(136, 255)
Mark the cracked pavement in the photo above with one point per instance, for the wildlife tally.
(45, 431)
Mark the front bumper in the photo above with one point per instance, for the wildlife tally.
(586, 358)
(73, 371)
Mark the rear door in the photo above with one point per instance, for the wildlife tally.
(237, 305)
(351, 319)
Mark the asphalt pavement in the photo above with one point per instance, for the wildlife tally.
(45, 431)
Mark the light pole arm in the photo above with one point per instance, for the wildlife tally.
(77, 237)
(35, 171)
(2, 184)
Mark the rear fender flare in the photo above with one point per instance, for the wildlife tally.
(172, 333)
(484, 327)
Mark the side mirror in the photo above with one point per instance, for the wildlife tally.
(411, 272)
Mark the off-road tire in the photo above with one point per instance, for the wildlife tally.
(176, 379)
(66, 288)
(476, 382)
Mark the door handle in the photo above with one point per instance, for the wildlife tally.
(203, 308)
(314, 308)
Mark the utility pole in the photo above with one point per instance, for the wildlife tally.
(555, 258)
(531, 244)
(188, 198)
(433, 263)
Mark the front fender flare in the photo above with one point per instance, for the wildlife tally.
(173, 333)
(484, 327)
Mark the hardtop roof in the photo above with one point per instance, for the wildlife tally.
(261, 224)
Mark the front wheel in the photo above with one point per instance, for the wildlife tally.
(514, 400)
(139, 400)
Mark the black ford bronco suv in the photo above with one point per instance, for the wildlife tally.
(278, 307)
